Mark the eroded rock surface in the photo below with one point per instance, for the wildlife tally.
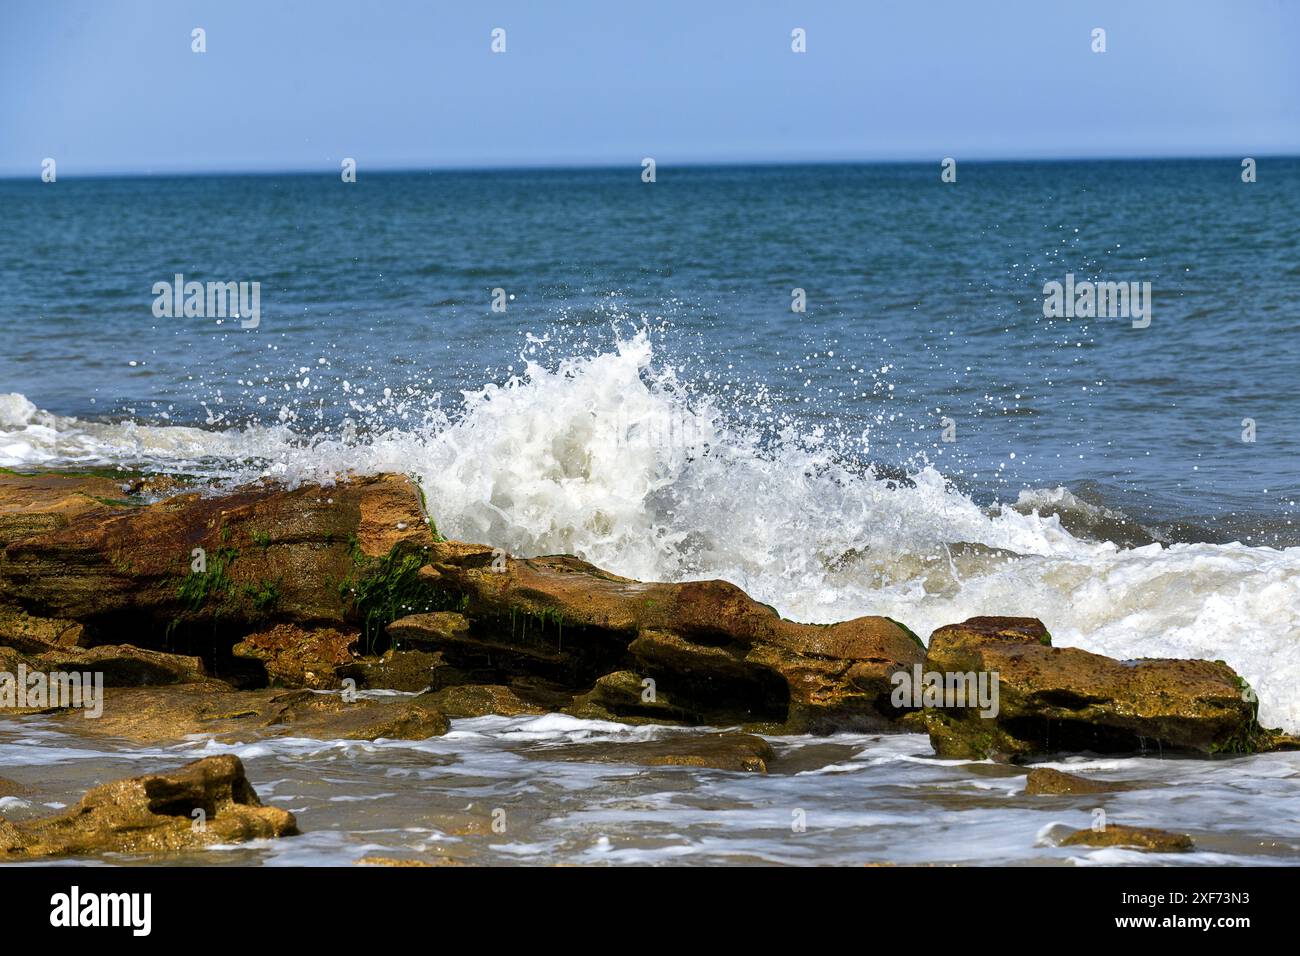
(348, 584)
(164, 714)
(1068, 700)
(197, 572)
(718, 655)
(154, 813)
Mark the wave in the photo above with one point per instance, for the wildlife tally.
(609, 457)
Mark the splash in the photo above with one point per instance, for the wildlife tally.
(611, 458)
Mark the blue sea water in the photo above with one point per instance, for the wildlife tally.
(924, 302)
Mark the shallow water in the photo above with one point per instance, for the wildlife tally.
(864, 799)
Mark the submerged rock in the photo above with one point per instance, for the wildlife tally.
(1044, 780)
(1142, 838)
(726, 751)
(397, 862)
(154, 813)
(1061, 700)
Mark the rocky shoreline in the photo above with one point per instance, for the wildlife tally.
(269, 611)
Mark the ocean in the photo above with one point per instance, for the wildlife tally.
(921, 441)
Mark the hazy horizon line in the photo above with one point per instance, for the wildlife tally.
(513, 166)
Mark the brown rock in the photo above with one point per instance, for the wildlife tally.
(312, 555)
(119, 665)
(154, 813)
(728, 751)
(410, 671)
(38, 504)
(330, 717)
(625, 696)
(716, 653)
(31, 634)
(161, 715)
(1044, 780)
(479, 700)
(394, 861)
(1054, 700)
(1160, 841)
(296, 656)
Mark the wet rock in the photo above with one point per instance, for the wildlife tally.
(197, 570)
(154, 813)
(726, 751)
(1142, 838)
(299, 657)
(630, 698)
(38, 504)
(1064, 700)
(394, 861)
(433, 629)
(162, 715)
(410, 671)
(1044, 780)
(330, 717)
(120, 664)
(479, 700)
(717, 654)
(32, 634)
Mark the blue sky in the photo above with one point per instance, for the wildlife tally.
(112, 86)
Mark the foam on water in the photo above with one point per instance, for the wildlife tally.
(609, 457)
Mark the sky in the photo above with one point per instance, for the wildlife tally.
(112, 86)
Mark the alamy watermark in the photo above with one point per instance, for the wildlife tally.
(39, 690)
(1089, 300)
(957, 689)
(214, 300)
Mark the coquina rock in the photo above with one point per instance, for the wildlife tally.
(165, 714)
(325, 586)
(1140, 838)
(1055, 700)
(719, 655)
(197, 572)
(154, 813)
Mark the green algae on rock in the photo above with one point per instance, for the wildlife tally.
(1062, 700)
(1141, 838)
(1045, 780)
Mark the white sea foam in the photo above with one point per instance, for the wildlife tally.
(604, 457)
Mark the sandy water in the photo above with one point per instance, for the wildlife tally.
(860, 799)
